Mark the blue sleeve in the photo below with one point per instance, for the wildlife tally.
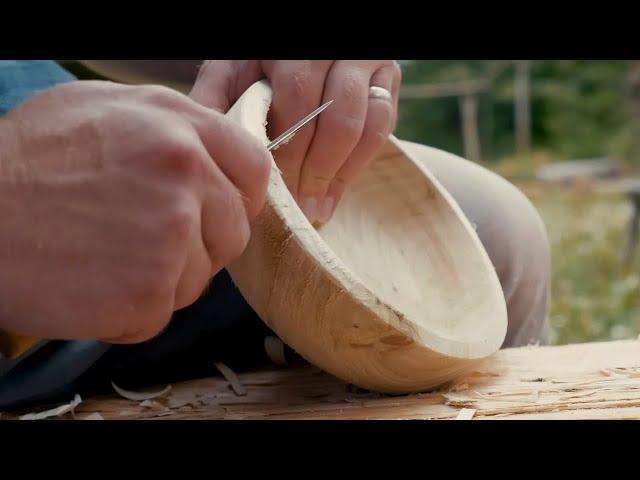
(20, 79)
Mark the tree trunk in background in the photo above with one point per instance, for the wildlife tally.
(469, 113)
(522, 106)
(633, 91)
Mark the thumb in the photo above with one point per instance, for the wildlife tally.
(221, 82)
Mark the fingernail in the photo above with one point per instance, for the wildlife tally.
(326, 210)
(309, 207)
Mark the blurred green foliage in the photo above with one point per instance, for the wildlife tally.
(594, 295)
(578, 108)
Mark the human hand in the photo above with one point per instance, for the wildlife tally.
(119, 203)
(321, 160)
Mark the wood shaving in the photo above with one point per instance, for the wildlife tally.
(466, 414)
(275, 350)
(93, 416)
(232, 378)
(499, 395)
(140, 396)
(626, 372)
(54, 412)
(577, 395)
(166, 413)
(459, 387)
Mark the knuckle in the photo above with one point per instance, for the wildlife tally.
(374, 138)
(319, 179)
(295, 86)
(163, 96)
(346, 127)
(180, 155)
(315, 183)
(181, 220)
(340, 181)
(352, 84)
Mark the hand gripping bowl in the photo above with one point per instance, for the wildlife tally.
(394, 294)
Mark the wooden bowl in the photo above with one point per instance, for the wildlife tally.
(395, 294)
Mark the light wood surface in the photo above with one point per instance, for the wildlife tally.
(395, 294)
(587, 381)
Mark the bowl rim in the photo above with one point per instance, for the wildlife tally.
(335, 270)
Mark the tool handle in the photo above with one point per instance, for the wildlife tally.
(13, 345)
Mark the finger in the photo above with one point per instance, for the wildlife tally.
(140, 328)
(225, 224)
(395, 93)
(221, 82)
(378, 125)
(212, 84)
(196, 273)
(338, 131)
(239, 155)
(297, 90)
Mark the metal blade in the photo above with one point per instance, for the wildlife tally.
(290, 132)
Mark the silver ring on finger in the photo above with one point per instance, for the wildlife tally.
(381, 93)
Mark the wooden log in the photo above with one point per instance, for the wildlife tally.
(586, 381)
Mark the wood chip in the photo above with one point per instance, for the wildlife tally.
(140, 396)
(54, 412)
(94, 416)
(275, 350)
(232, 378)
(466, 414)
